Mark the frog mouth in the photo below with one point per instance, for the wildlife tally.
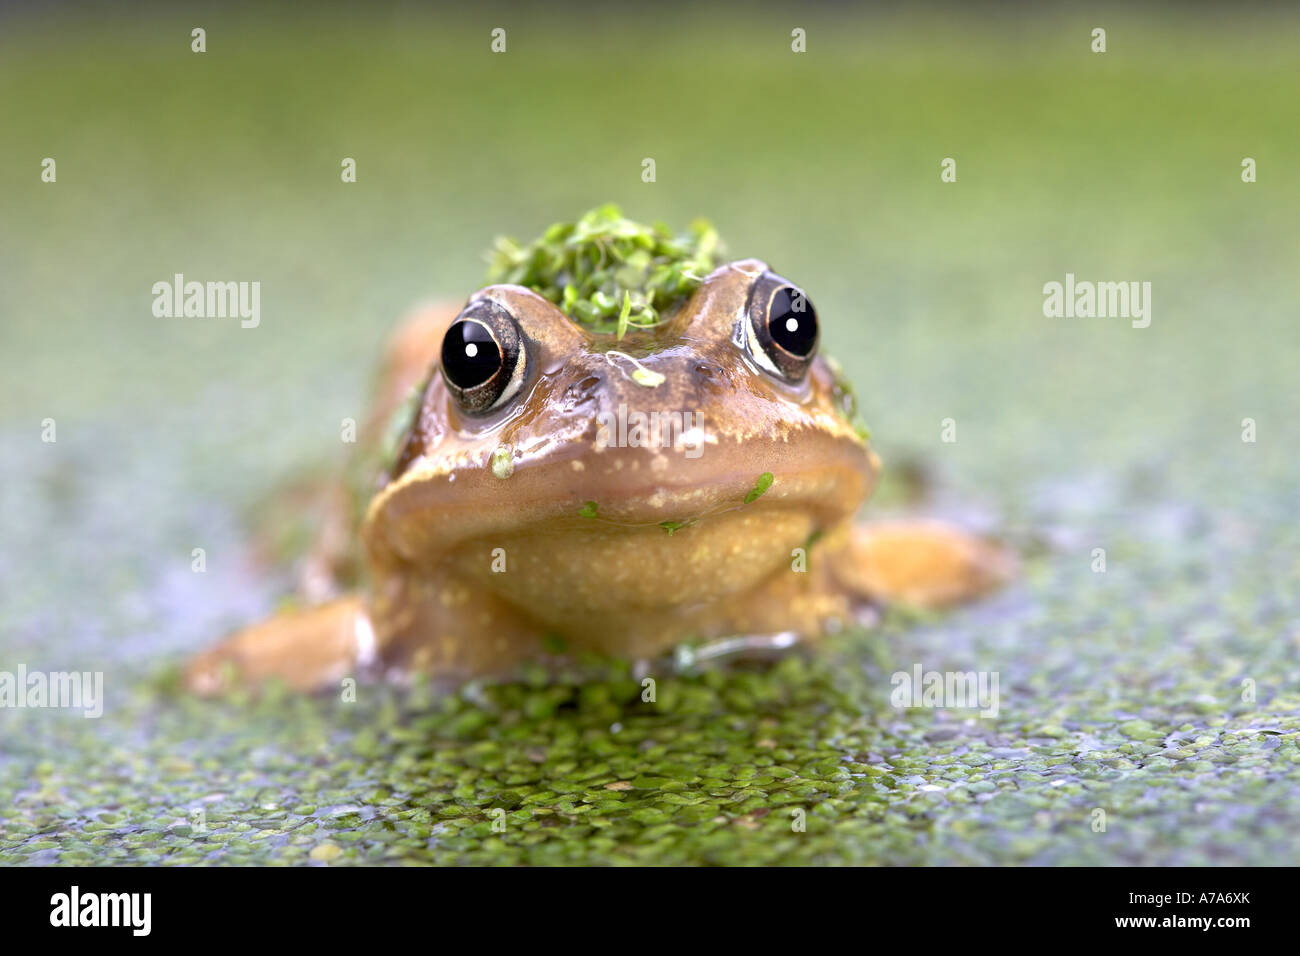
(831, 490)
(626, 492)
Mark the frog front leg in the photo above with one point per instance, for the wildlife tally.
(425, 623)
(307, 649)
(920, 563)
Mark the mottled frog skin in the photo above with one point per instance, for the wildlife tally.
(555, 486)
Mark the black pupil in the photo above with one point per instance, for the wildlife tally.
(469, 354)
(792, 322)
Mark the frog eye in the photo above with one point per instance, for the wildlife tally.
(483, 358)
(781, 327)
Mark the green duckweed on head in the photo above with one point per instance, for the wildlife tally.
(607, 272)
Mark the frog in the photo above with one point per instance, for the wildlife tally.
(557, 489)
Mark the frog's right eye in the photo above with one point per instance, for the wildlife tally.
(483, 358)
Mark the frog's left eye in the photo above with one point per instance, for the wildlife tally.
(781, 327)
(483, 358)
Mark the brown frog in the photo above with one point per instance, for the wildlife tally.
(695, 481)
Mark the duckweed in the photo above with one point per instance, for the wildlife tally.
(607, 272)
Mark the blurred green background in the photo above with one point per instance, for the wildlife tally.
(1072, 433)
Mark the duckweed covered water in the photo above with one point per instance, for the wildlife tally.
(721, 767)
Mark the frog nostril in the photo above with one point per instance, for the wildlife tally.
(710, 376)
(580, 393)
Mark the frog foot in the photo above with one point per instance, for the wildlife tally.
(924, 564)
